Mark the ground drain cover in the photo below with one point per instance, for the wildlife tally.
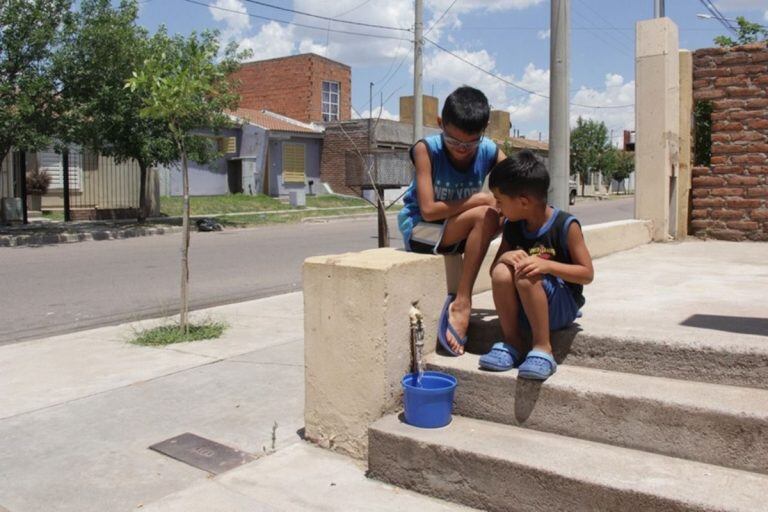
(202, 453)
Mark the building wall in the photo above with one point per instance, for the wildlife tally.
(335, 147)
(292, 86)
(730, 197)
(312, 150)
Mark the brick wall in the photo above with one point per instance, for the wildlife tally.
(730, 197)
(292, 86)
(335, 147)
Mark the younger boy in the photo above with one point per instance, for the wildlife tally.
(539, 271)
(445, 210)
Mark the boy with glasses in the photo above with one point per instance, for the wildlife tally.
(445, 210)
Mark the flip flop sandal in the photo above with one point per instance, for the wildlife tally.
(445, 326)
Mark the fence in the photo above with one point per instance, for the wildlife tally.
(378, 169)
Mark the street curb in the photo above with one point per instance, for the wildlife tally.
(63, 238)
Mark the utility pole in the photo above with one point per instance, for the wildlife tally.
(65, 180)
(658, 8)
(370, 115)
(418, 47)
(559, 129)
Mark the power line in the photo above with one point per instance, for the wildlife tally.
(326, 18)
(512, 84)
(718, 15)
(607, 22)
(441, 17)
(266, 18)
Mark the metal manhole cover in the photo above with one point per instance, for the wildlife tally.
(202, 453)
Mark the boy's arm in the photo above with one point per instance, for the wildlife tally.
(579, 272)
(500, 156)
(432, 210)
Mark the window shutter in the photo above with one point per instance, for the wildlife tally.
(293, 163)
(50, 162)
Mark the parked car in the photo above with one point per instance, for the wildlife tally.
(572, 190)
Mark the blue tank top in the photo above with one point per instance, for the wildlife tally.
(449, 183)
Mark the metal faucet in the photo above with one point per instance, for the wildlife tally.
(417, 342)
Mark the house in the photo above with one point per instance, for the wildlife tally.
(306, 87)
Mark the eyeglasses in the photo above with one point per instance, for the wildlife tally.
(455, 143)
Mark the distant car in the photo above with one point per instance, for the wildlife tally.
(572, 189)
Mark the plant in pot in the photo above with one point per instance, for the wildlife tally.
(37, 186)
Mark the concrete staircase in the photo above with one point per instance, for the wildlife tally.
(627, 423)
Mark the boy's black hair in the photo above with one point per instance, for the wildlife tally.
(519, 174)
(467, 109)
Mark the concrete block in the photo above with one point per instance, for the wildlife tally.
(500, 468)
(723, 425)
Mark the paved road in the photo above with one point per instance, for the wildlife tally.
(68, 287)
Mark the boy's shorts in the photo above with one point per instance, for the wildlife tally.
(563, 309)
(427, 236)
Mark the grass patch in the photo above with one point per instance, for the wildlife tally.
(168, 334)
(284, 218)
(236, 203)
(53, 215)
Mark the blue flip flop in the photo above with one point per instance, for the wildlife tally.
(445, 325)
(501, 358)
(538, 365)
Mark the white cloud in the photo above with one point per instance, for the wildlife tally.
(616, 93)
(543, 34)
(377, 112)
(765, 15)
(273, 40)
(487, 5)
(441, 67)
(235, 23)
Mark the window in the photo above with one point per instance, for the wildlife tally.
(293, 162)
(330, 101)
(50, 162)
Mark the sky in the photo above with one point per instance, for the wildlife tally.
(508, 38)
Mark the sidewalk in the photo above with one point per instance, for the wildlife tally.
(78, 412)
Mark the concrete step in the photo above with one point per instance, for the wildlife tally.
(723, 425)
(500, 468)
(682, 353)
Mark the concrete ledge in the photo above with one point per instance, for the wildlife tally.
(723, 425)
(500, 468)
(65, 238)
(356, 328)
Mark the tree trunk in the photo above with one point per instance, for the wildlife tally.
(183, 315)
(383, 227)
(142, 215)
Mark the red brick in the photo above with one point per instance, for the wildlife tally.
(708, 94)
(709, 202)
(699, 213)
(727, 234)
(758, 169)
(720, 116)
(761, 214)
(708, 181)
(727, 169)
(719, 149)
(704, 52)
(705, 72)
(757, 103)
(761, 80)
(700, 192)
(727, 191)
(760, 57)
(701, 83)
(721, 137)
(743, 225)
(728, 103)
(757, 147)
(740, 115)
(758, 124)
(703, 223)
(757, 192)
(751, 159)
(725, 126)
(745, 136)
(748, 181)
(744, 203)
(748, 70)
(717, 160)
(728, 80)
(744, 92)
(758, 237)
(701, 171)
(736, 58)
(727, 214)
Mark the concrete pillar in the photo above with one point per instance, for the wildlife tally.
(657, 122)
(357, 338)
(686, 141)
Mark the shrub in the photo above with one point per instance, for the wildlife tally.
(38, 182)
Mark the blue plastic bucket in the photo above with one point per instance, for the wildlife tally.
(431, 404)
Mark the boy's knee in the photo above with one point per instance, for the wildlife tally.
(524, 284)
(488, 219)
(502, 275)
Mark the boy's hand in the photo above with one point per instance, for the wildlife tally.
(532, 266)
(512, 258)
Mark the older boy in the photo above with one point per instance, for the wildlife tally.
(445, 210)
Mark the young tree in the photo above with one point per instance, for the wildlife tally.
(101, 51)
(186, 87)
(607, 164)
(589, 141)
(29, 105)
(625, 165)
(747, 32)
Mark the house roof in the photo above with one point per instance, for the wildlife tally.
(310, 55)
(274, 122)
(520, 143)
